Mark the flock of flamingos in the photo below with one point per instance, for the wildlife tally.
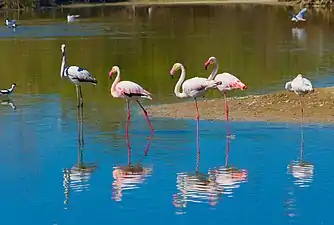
(190, 186)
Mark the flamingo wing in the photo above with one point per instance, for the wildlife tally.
(229, 82)
(130, 89)
(196, 85)
(79, 75)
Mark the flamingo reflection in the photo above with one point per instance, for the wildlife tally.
(196, 187)
(77, 177)
(301, 170)
(129, 177)
(227, 177)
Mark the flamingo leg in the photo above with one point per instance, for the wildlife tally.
(128, 107)
(226, 106)
(127, 135)
(196, 106)
(145, 113)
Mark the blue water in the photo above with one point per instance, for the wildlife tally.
(39, 146)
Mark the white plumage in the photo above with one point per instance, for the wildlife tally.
(71, 18)
(299, 85)
(76, 75)
(300, 17)
(5, 92)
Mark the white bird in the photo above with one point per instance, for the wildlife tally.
(193, 87)
(129, 91)
(301, 86)
(5, 92)
(71, 18)
(300, 17)
(229, 81)
(10, 23)
(76, 75)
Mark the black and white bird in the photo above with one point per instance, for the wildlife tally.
(76, 75)
(10, 23)
(300, 17)
(5, 92)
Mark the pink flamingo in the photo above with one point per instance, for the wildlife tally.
(229, 82)
(193, 87)
(130, 91)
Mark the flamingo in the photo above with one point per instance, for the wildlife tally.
(5, 92)
(71, 18)
(10, 23)
(76, 75)
(193, 87)
(229, 82)
(300, 17)
(129, 91)
(301, 86)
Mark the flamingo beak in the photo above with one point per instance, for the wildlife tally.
(171, 73)
(206, 65)
(110, 74)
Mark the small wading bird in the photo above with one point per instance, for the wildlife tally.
(10, 23)
(5, 92)
(71, 18)
(300, 17)
(193, 87)
(76, 75)
(301, 86)
(229, 82)
(129, 91)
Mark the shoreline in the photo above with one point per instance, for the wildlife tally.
(281, 106)
(173, 2)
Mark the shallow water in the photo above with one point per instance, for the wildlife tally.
(49, 177)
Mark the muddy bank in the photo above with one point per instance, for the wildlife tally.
(275, 107)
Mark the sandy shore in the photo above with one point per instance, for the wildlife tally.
(274, 107)
(175, 2)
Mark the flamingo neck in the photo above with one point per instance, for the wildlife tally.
(12, 88)
(178, 84)
(116, 81)
(214, 72)
(62, 68)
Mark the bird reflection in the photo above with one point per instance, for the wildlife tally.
(196, 187)
(129, 177)
(299, 33)
(77, 177)
(227, 177)
(8, 101)
(301, 170)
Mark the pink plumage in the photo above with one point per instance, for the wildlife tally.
(129, 91)
(229, 82)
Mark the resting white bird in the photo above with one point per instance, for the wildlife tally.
(300, 16)
(10, 23)
(301, 86)
(5, 92)
(71, 18)
(76, 75)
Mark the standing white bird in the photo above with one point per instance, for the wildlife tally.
(71, 18)
(76, 75)
(300, 17)
(301, 86)
(129, 91)
(10, 23)
(193, 87)
(5, 92)
(229, 82)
